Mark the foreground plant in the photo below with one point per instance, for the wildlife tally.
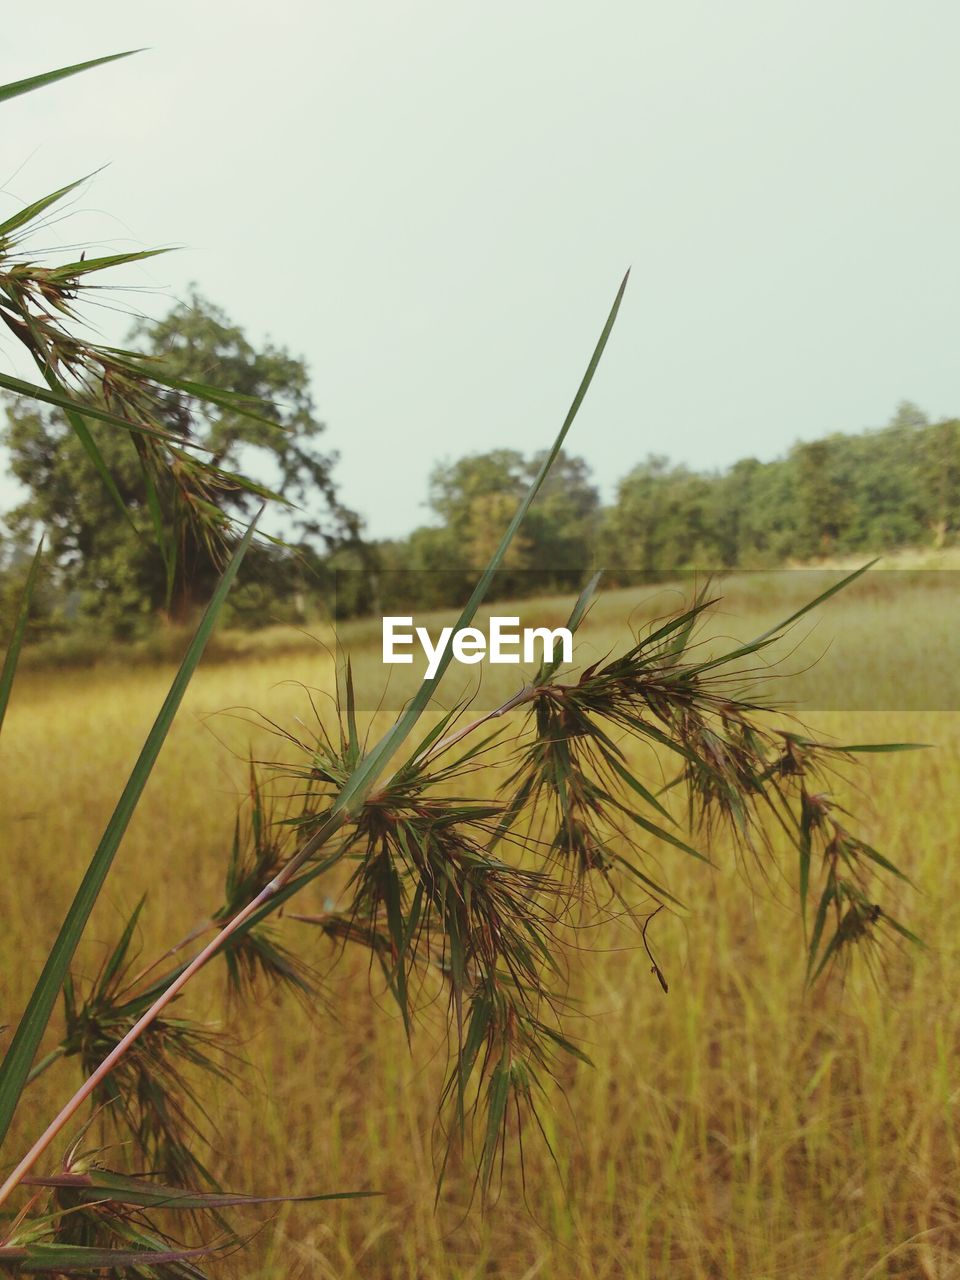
(472, 896)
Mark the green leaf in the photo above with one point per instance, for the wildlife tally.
(573, 622)
(666, 836)
(767, 637)
(902, 930)
(103, 1185)
(70, 1259)
(82, 432)
(40, 354)
(19, 629)
(498, 1094)
(166, 547)
(807, 822)
(635, 784)
(23, 1048)
(31, 211)
(119, 953)
(63, 400)
(881, 861)
(828, 896)
(14, 89)
(68, 271)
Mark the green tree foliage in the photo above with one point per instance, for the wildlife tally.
(112, 567)
(475, 496)
(660, 518)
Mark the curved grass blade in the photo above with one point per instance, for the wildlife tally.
(31, 211)
(584, 599)
(101, 1185)
(76, 1259)
(17, 87)
(82, 432)
(19, 629)
(774, 632)
(23, 1048)
(68, 271)
(69, 403)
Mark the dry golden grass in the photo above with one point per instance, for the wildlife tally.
(734, 1128)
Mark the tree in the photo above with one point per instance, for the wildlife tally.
(660, 520)
(824, 495)
(562, 527)
(476, 496)
(124, 567)
(939, 479)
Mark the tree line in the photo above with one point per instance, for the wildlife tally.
(895, 486)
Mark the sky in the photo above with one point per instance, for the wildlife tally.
(434, 203)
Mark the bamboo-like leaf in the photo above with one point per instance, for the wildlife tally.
(17, 87)
(166, 547)
(82, 432)
(101, 1185)
(75, 1259)
(635, 784)
(830, 950)
(666, 836)
(237, 401)
(23, 1048)
(767, 637)
(804, 848)
(577, 615)
(19, 629)
(119, 953)
(903, 931)
(881, 861)
(828, 896)
(34, 209)
(63, 400)
(67, 271)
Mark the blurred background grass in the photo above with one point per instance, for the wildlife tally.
(734, 1127)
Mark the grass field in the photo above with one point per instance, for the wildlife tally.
(733, 1128)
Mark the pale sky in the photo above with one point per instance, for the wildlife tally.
(434, 203)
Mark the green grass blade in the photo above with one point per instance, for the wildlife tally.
(761, 641)
(103, 1185)
(23, 1048)
(92, 450)
(70, 409)
(31, 211)
(16, 640)
(167, 547)
(363, 778)
(17, 87)
(804, 850)
(578, 613)
(63, 400)
(68, 271)
(87, 1260)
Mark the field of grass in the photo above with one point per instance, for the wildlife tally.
(733, 1128)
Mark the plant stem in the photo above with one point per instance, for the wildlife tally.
(334, 822)
(527, 694)
(66, 1113)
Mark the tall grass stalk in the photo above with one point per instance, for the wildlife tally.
(474, 902)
